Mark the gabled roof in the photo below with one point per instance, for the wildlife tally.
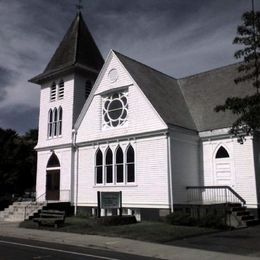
(204, 91)
(77, 49)
(188, 102)
(162, 91)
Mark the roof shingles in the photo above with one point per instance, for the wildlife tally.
(204, 91)
(77, 48)
(189, 102)
(162, 91)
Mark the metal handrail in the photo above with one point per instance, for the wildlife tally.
(242, 200)
(36, 199)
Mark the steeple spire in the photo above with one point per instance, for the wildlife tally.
(77, 50)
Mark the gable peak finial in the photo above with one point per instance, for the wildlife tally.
(79, 6)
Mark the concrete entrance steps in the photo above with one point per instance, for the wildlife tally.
(241, 217)
(19, 211)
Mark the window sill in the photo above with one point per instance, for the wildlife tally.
(54, 137)
(114, 185)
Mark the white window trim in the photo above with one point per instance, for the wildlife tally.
(55, 124)
(115, 183)
(95, 168)
(117, 164)
(104, 125)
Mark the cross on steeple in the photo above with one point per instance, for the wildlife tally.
(253, 5)
(79, 6)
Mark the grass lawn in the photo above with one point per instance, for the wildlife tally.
(159, 232)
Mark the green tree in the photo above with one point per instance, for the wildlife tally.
(17, 161)
(246, 108)
(8, 149)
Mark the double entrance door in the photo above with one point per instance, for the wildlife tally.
(53, 185)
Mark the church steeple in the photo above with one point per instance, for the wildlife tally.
(77, 51)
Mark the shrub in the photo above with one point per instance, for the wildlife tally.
(180, 218)
(116, 220)
(213, 221)
(185, 219)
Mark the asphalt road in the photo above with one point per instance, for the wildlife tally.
(23, 249)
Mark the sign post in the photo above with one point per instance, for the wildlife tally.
(99, 208)
(120, 209)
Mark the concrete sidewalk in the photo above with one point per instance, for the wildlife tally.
(123, 245)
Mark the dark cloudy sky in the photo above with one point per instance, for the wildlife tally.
(178, 37)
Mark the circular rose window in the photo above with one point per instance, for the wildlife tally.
(115, 110)
(113, 75)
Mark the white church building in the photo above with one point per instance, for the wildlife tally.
(121, 126)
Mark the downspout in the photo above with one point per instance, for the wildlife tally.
(169, 170)
(76, 176)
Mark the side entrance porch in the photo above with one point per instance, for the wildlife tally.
(219, 202)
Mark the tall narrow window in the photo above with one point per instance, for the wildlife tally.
(119, 165)
(109, 166)
(61, 90)
(55, 122)
(53, 91)
(130, 164)
(99, 167)
(50, 123)
(88, 87)
(60, 121)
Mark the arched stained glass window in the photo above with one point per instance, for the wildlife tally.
(60, 121)
(109, 166)
(130, 164)
(99, 167)
(222, 153)
(50, 123)
(119, 165)
(55, 122)
(53, 161)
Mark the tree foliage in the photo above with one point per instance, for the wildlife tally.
(246, 108)
(17, 161)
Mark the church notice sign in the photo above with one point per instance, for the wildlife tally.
(109, 200)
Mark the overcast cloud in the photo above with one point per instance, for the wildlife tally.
(177, 37)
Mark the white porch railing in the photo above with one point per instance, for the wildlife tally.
(213, 194)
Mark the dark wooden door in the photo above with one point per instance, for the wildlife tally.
(53, 185)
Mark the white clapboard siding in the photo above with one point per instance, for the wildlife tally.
(72, 103)
(67, 105)
(241, 165)
(150, 189)
(64, 156)
(185, 164)
(142, 117)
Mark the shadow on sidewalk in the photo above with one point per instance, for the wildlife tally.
(244, 242)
